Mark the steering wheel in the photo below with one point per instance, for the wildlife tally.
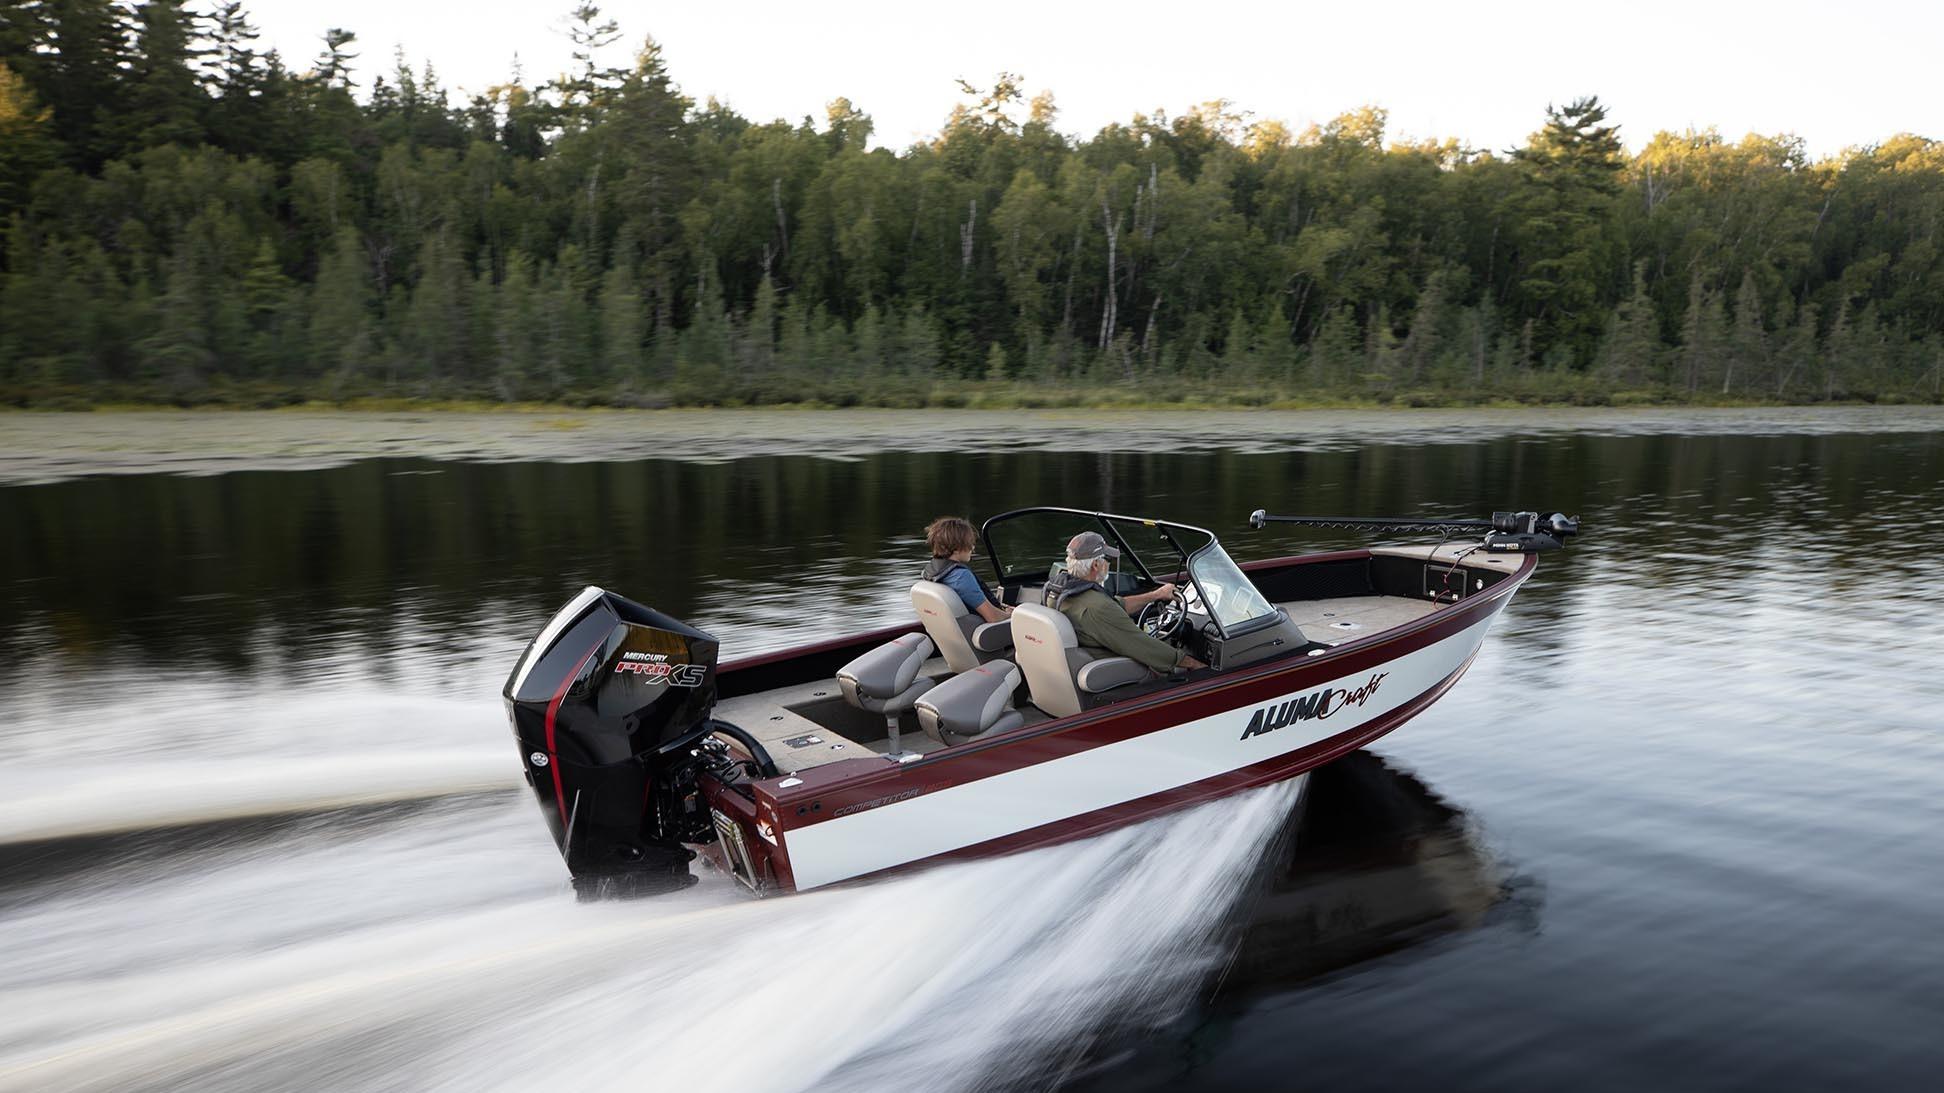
(1163, 618)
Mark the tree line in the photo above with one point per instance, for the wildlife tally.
(185, 217)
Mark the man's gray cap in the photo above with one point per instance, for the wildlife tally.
(1088, 545)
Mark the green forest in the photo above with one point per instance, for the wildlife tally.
(188, 219)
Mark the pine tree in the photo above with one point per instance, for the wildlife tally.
(1796, 356)
(757, 343)
(918, 347)
(166, 102)
(516, 364)
(439, 329)
(82, 52)
(1631, 353)
(333, 67)
(178, 352)
(586, 90)
(1572, 169)
(1379, 365)
(1336, 353)
(655, 165)
(1703, 336)
(1275, 352)
(623, 323)
(343, 334)
(995, 363)
(868, 338)
(1747, 356)
(266, 298)
(1839, 354)
(1238, 361)
(1422, 341)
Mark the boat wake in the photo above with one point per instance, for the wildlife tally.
(442, 950)
(149, 796)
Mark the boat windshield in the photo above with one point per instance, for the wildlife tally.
(1232, 599)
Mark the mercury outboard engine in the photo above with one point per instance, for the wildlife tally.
(610, 707)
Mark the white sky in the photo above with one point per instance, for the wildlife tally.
(1483, 71)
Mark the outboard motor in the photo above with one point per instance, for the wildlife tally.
(610, 707)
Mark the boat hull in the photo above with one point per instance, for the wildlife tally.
(1103, 768)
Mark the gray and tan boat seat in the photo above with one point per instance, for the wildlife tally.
(963, 639)
(1063, 677)
(887, 680)
(971, 704)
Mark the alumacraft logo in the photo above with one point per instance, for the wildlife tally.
(654, 668)
(1311, 707)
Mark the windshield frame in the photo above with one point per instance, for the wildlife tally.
(1171, 532)
(1212, 550)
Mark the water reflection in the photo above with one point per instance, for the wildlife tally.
(394, 562)
(1374, 863)
(1371, 866)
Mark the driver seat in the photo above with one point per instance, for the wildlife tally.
(1062, 677)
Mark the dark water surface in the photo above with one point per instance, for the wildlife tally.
(1681, 826)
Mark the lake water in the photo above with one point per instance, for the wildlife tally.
(1682, 824)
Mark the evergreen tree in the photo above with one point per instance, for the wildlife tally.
(166, 101)
(1336, 353)
(1631, 354)
(178, 352)
(439, 328)
(623, 322)
(1704, 336)
(1423, 341)
(1747, 358)
(1572, 167)
(266, 296)
(1797, 355)
(343, 334)
(80, 55)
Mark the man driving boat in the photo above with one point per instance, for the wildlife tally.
(1104, 621)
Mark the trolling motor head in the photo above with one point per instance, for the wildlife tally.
(1526, 532)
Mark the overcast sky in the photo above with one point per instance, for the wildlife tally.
(1836, 75)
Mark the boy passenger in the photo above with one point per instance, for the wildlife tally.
(952, 539)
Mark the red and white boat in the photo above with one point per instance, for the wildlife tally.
(946, 738)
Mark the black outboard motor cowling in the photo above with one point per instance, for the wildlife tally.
(608, 706)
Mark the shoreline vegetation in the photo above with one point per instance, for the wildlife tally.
(940, 396)
(38, 448)
(187, 220)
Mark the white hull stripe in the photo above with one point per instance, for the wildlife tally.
(1111, 774)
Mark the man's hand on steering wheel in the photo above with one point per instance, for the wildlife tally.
(1163, 618)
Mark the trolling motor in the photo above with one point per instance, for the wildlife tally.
(610, 707)
(1505, 532)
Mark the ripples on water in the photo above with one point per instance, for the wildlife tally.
(258, 824)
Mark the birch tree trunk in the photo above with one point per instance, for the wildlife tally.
(966, 231)
(1109, 314)
(782, 225)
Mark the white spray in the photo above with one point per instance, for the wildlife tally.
(370, 963)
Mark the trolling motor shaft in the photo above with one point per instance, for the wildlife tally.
(1505, 532)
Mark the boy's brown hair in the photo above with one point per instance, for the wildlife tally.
(948, 535)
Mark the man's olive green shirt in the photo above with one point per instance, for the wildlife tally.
(1101, 621)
